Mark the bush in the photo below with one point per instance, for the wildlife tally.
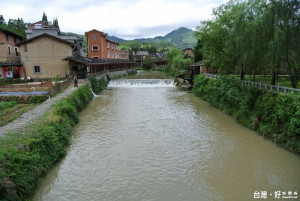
(275, 116)
(98, 85)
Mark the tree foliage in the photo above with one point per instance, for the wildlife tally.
(44, 18)
(176, 59)
(254, 37)
(136, 45)
(55, 23)
(17, 26)
(2, 20)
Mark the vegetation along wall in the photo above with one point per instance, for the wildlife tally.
(275, 116)
(24, 158)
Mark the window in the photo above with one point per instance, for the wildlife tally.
(17, 51)
(37, 69)
(108, 55)
(112, 55)
(38, 26)
(9, 50)
(112, 46)
(116, 47)
(95, 48)
(25, 47)
(107, 44)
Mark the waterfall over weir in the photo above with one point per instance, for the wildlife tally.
(142, 83)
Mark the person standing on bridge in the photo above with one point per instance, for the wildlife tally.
(75, 81)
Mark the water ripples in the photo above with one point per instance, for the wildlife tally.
(162, 144)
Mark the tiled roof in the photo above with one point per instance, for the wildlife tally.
(42, 35)
(94, 61)
(199, 63)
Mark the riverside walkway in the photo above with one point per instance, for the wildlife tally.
(32, 115)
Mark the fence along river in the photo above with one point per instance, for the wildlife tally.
(154, 142)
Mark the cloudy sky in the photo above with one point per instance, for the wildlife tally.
(126, 19)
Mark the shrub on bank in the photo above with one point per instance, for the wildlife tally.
(25, 157)
(98, 84)
(275, 116)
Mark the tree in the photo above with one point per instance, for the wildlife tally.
(198, 51)
(253, 36)
(44, 18)
(18, 25)
(55, 23)
(2, 20)
(288, 23)
(176, 59)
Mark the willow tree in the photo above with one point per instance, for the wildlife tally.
(176, 59)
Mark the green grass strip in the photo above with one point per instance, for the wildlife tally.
(26, 157)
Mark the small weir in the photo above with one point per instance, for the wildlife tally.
(142, 83)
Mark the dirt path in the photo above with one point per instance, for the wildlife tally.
(35, 113)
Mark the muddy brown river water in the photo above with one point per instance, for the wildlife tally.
(146, 140)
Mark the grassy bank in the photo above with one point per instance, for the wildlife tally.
(283, 80)
(27, 156)
(275, 116)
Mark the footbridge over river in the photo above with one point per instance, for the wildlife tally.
(143, 139)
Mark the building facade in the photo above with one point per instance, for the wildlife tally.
(100, 47)
(42, 56)
(41, 27)
(10, 61)
(124, 54)
(200, 68)
(188, 52)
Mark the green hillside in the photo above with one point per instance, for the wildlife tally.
(181, 38)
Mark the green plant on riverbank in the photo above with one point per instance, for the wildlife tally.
(275, 116)
(9, 111)
(24, 158)
(98, 84)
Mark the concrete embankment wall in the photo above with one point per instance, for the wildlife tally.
(100, 82)
(117, 74)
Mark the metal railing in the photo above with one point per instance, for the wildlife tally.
(260, 85)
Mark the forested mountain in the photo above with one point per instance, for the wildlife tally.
(181, 38)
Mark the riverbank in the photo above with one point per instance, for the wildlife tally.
(29, 154)
(273, 115)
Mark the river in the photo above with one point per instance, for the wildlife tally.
(149, 141)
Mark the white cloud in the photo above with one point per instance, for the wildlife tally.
(117, 17)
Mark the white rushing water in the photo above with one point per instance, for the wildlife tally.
(142, 83)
